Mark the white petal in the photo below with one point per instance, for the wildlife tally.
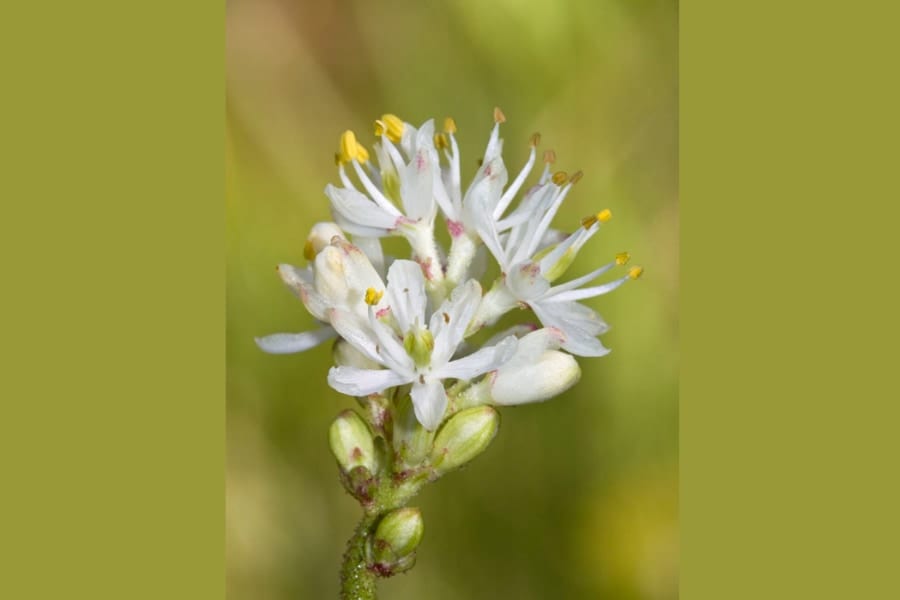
(391, 351)
(526, 282)
(482, 361)
(357, 214)
(406, 293)
(362, 382)
(417, 178)
(356, 332)
(480, 212)
(289, 343)
(448, 324)
(429, 402)
(579, 324)
(371, 247)
(591, 292)
(359, 272)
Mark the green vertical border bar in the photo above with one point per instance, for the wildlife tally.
(789, 197)
(112, 394)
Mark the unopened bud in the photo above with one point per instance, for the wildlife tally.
(396, 539)
(550, 375)
(466, 435)
(320, 236)
(351, 442)
(412, 442)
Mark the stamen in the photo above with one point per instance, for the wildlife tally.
(560, 177)
(337, 159)
(362, 155)
(449, 125)
(549, 157)
(622, 258)
(309, 251)
(535, 139)
(635, 272)
(348, 146)
(576, 177)
(604, 215)
(373, 297)
(394, 127)
(441, 142)
(499, 117)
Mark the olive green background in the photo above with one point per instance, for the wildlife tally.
(113, 399)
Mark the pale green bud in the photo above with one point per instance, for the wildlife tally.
(351, 442)
(396, 539)
(419, 343)
(412, 442)
(465, 435)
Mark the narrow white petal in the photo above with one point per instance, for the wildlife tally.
(480, 362)
(573, 295)
(289, 343)
(356, 332)
(577, 283)
(406, 293)
(513, 189)
(448, 324)
(362, 382)
(429, 402)
(358, 215)
(374, 193)
(389, 348)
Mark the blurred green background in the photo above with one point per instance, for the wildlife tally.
(577, 497)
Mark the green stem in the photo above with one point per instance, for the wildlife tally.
(357, 581)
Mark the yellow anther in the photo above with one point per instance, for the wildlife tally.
(362, 155)
(348, 146)
(380, 128)
(393, 127)
(622, 258)
(534, 140)
(549, 157)
(560, 177)
(603, 216)
(499, 117)
(337, 158)
(373, 297)
(635, 272)
(576, 177)
(309, 251)
(449, 125)
(440, 141)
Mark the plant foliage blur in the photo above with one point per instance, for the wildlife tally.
(577, 497)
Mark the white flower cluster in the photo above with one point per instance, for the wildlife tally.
(405, 322)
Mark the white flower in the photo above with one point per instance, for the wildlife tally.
(519, 243)
(409, 183)
(338, 277)
(421, 354)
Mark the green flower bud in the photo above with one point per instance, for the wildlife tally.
(412, 442)
(351, 442)
(465, 435)
(396, 539)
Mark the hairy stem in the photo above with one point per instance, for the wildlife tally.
(357, 581)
